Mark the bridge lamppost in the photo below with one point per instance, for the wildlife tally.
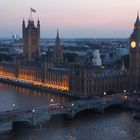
(125, 97)
(51, 100)
(33, 117)
(72, 104)
(102, 97)
(124, 90)
(105, 93)
(14, 106)
(102, 101)
(72, 108)
(33, 111)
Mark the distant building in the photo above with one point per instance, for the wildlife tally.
(122, 52)
(96, 58)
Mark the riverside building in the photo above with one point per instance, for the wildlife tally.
(80, 78)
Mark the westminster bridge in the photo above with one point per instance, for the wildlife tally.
(36, 116)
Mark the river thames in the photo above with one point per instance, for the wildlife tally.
(114, 124)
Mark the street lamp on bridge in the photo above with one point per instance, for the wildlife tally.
(14, 106)
(33, 110)
(125, 97)
(124, 90)
(51, 100)
(105, 93)
(72, 104)
(102, 98)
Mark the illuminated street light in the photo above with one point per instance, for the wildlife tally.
(124, 91)
(72, 104)
(104, 93)
(51, 100)
(33, 110)
(125, 97)
(14, 106)
(135, 91)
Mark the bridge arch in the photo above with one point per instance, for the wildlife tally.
(99, 108)
(106, 106)
(23, 122)
(85, 109)
(67, 114)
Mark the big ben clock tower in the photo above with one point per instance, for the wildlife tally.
(135, 56)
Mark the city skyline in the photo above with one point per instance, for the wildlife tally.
(74, 19)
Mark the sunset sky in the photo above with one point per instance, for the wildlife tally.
(74, 18)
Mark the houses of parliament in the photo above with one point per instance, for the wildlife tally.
(79, 78)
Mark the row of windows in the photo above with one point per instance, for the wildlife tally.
(27, 77)
(35, 74)
(107, 84)
(57, 77)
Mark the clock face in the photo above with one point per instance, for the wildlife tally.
(133, 44)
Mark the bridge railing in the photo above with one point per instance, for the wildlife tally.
(74, 106)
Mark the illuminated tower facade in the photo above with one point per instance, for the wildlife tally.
(135, 56)
(31, 39)
(58, 52)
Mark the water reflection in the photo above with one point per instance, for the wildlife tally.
(24, 97)
(114, 124)
(88, 126)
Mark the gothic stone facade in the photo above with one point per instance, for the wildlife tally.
(31, 40)
(135, 56)
(80, 78)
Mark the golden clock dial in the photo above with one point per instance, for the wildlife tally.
(133, 44)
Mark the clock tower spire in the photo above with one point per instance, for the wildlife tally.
(135, 56)
(137, 23)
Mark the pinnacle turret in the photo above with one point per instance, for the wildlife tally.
(38, 21)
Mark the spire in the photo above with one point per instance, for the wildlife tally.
(58, 53)
(57, 38)
(57, 34)
(137, 20)
(23, 20)
(137, 16)
(23, 23)
(38, 23)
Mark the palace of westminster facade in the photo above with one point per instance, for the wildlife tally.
(80, 78)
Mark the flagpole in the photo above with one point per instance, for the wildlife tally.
(32, 10)
(30, 14)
